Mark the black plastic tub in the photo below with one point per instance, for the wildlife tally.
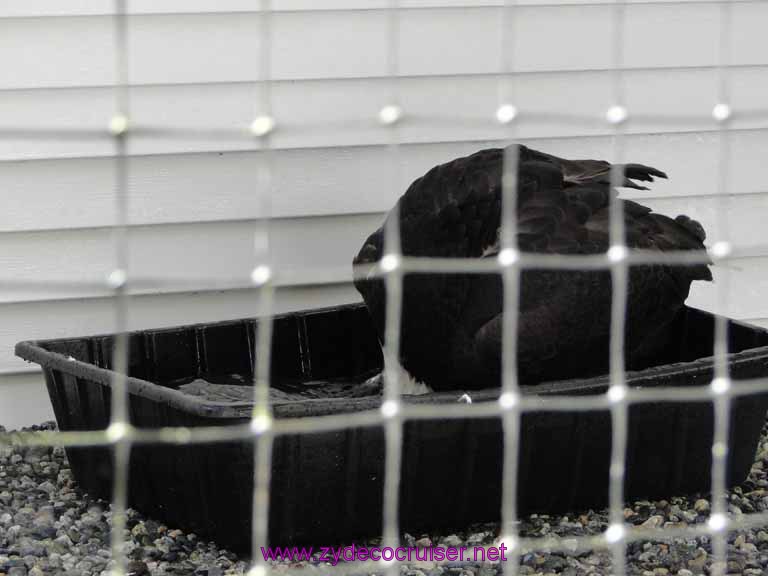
(327, 487)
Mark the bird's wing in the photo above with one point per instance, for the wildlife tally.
(579, 172)
(562, 206)
(455, 209)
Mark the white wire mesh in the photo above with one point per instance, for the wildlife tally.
(391, 115)
(508, 258)
(261, 418)
(120, 420)
(721, 403)
(616, 115)
(510, 404)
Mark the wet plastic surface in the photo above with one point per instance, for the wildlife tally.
(327, 486)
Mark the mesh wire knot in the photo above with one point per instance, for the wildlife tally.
(117, 279)
(262, 125)
(390, 262)
(617, 114)
(390, 115)
(390, 408)
(717, 522)
(118, 125)
(506, 113)
(261, 275)
(508, 400)
(721, 112)
(615, 533)
(508, 257)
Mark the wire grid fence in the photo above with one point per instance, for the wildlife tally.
(262, 429)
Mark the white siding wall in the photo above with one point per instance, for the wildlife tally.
(193, 203)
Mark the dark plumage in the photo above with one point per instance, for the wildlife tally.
(451, 324)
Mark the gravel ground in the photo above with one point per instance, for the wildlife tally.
(48, 527)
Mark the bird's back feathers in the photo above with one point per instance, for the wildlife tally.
(562, 206)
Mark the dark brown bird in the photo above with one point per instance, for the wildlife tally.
(451, 323)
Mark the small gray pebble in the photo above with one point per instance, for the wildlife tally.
(451, 540)
(701, 506)
(653, 522)
(689, 516)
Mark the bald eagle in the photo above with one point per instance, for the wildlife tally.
(451, 327)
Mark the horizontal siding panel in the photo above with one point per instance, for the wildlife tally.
(74, 193)
(59, 319)
(744, 216)
(43, 8)
(25, 400)
(35, 8)
(184, 257)
(746, 281)
(41, 52)
(79, 193)
(330, 113)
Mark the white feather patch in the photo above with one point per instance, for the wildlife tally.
(493, 249)
(410, 387)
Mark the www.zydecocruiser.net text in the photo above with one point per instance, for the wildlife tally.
(334, 555)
